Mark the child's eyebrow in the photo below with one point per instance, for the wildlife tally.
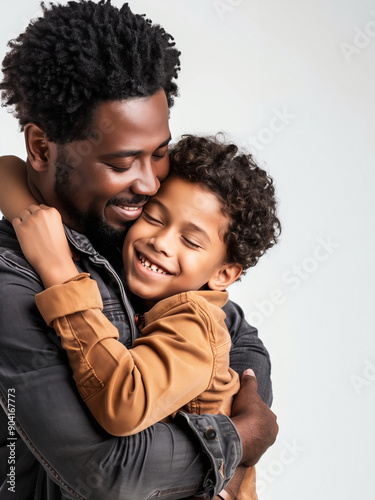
(154, 201)
(189, 225)
(198, 229)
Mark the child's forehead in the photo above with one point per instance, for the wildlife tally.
(190, 203)
(193, 194)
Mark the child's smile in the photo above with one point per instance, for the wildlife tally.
(151, 265)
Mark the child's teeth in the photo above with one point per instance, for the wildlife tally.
(146, 263)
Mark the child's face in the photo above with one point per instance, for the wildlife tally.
(177, 243)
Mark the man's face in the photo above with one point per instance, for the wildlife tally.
(177, 244)
(102, 182)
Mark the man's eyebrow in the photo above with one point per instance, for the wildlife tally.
(165, 143)
(126, 153)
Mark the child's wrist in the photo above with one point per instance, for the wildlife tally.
(57, 274)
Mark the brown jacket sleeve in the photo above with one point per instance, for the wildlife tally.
(130, 390)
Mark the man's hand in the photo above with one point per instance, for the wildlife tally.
(255, 422)
(232, 489)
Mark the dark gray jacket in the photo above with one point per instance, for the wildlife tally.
(49, 436)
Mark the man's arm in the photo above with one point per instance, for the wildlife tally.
(223, 452)
(248, 350)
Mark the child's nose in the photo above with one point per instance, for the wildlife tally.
(163, 242)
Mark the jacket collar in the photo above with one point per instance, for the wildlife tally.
(79, 241)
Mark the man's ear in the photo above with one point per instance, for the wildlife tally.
(37, 147)
(224, 277)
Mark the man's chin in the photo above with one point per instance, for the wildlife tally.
(103, 236)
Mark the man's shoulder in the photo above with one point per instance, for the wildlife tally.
(8, 239)
(7, 235)
(11, 256)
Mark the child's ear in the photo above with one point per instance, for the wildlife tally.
(224, 277)
(37, 146)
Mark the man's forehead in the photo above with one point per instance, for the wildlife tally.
(131, 122)
(133, 105)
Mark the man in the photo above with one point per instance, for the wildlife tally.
(91, 86)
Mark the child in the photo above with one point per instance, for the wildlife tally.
(212, 218)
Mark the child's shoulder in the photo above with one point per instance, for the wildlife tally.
(214, 297)
(204, 304)
(205, 299)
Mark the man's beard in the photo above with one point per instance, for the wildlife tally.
(101, 235)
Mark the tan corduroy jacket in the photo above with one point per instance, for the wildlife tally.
(180, 361)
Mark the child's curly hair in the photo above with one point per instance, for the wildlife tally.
(245, 191)
(77, 56)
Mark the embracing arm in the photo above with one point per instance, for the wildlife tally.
(203, 464)
(55, 423)
(116, 397)
(14, 190)
(118, 385)
(248, 350)
(128, 390)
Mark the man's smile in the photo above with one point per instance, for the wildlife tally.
(125, 212)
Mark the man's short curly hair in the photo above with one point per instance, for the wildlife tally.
(79, 55)
(245, 191)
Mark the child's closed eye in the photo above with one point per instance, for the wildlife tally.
(190, 243)
(151, 219)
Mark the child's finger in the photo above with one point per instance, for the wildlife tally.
(34, 208)
(16, 222)
(24, 215)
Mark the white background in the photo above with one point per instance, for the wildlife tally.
(245, 64)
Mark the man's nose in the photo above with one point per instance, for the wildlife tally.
(148, 179)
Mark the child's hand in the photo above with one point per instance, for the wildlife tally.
(42, 238)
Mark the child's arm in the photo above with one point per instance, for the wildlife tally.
(130, 390)
(14, 191)
(42, 238)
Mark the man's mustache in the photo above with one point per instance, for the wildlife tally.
(135, 200)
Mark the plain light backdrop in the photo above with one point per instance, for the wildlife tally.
(294, 82)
